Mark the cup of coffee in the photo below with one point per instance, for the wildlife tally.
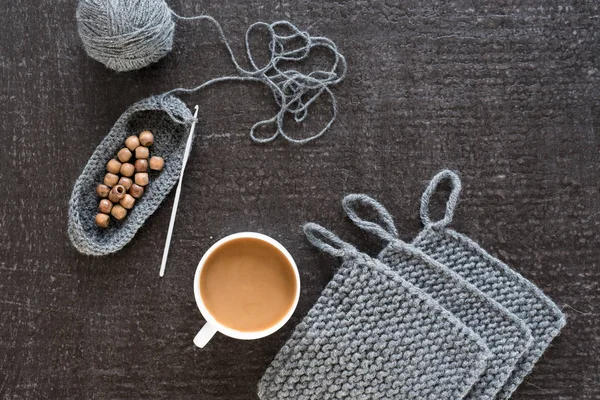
(246, 286)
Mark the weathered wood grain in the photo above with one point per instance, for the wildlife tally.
(507, 93)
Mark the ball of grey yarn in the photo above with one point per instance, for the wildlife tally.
(125, 35)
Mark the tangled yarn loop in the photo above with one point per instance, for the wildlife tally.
(125, 35)
(130, 34)
(294, 91)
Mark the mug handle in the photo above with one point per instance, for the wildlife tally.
(205, 334)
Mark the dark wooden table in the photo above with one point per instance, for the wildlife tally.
(505, 93)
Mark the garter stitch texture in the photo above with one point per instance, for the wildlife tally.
(169, 119)
(492, 277)
(372, 335)
(506, 336)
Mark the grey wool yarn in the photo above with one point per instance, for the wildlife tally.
(130, 34)
(506, 335)
(169, 119)
(492, 277)
(373, 335)
(125, 35)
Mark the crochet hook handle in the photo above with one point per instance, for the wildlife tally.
(186, 154)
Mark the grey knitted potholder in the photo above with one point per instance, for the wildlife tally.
(506, 335)
(372, 335)
(492, 277)
(169, 120)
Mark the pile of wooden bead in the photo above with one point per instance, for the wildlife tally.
(119, 192)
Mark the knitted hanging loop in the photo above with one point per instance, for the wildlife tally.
(329, 242)
(385, 231)
(451, 203)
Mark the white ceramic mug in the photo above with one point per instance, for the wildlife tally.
(212, 326)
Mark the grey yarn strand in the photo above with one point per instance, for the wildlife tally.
(293, 91)
(130, 34)
(385, 230)
(452, 199)
(125, 35)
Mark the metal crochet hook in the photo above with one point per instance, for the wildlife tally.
(186, 154)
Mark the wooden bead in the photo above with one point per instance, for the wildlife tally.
(136, 191)
(132, 142)
(125, 182)
(142, 152)
(141, 178)
(113, 166)
(111, 180)
(127, 169)
(102, 220)
(127, 201)
(102, 190)
(118, 211)
(146, 138)
(141, 165)
(105, 206)
(116, 193)
(124, 154)
(157, 163)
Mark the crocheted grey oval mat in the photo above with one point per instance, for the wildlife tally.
(506, 335)
(492, 277)
(372, 335)
(168, 118)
